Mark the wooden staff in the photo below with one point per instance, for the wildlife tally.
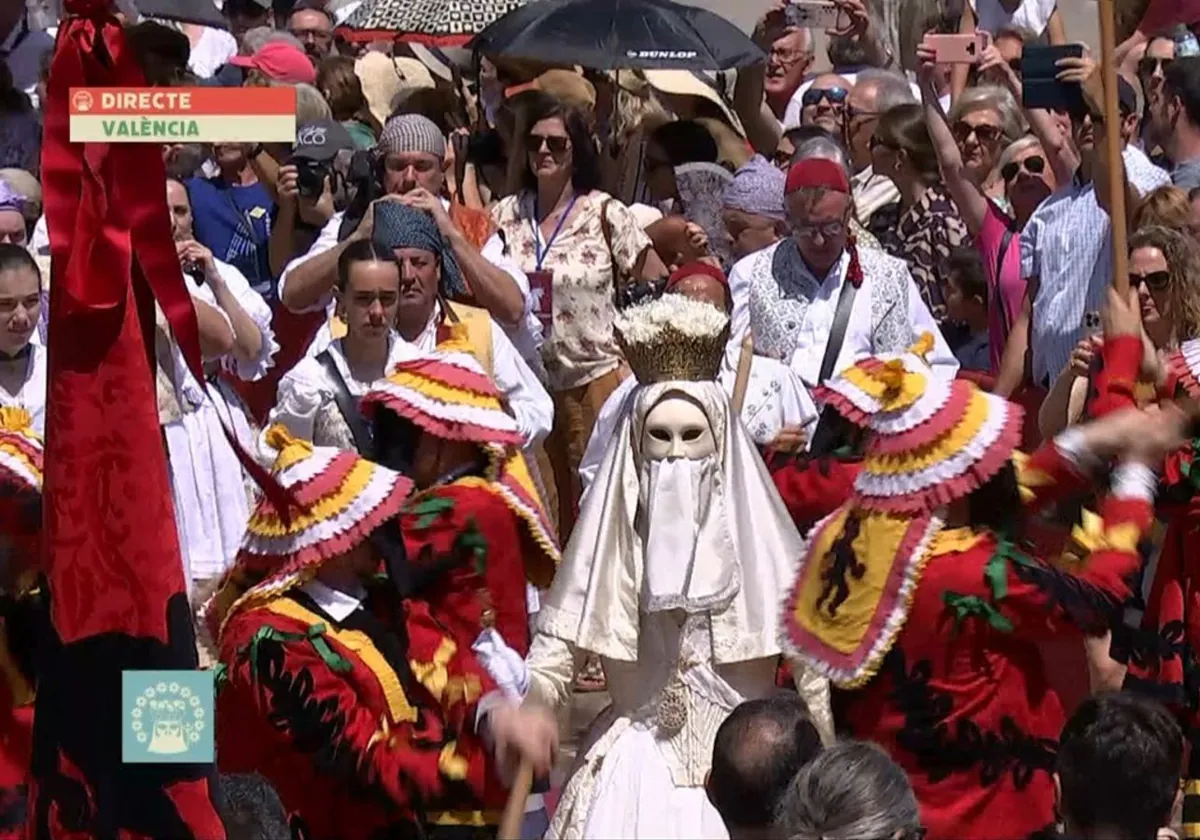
(514, 808)
(1112, 147)
(742, 380)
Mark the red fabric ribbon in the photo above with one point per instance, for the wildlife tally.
(119, 217)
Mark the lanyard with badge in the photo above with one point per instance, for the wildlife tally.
(541, 282)
(244, 226)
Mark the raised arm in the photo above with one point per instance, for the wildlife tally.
(972, 203)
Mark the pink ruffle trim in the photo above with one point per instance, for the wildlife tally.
(452, 376)
(945, 492)
(451, 429)
(278, 566)
(843, 405)
(941, 423)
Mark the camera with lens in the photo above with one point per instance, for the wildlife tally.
(310, 177)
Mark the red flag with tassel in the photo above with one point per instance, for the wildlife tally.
(112, 559)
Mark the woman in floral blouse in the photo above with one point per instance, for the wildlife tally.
(930, 226)
(560, 228)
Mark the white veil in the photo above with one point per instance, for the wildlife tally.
(595, 602)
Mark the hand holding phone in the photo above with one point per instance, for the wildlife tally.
(958, 49)
(812, 14)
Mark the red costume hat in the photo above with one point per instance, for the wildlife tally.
(817, 173)
(692, 269)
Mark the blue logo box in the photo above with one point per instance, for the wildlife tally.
(167, 717)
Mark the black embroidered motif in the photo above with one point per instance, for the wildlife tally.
(314, 725)
(1090, 608)
(844, 562)
(942, 752)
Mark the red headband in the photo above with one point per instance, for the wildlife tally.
(691, 270)
(818, 173)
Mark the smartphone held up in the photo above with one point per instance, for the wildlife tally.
(813, 14)
(958, 49)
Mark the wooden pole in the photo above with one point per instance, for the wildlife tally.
(514, 808)
(742, 379)
(1112, 147)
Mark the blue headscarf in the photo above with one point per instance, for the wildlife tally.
(399, 226)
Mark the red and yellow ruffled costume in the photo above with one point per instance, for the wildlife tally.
(491, 521)
(933, 632)
(365, 720)
(22, 609)
(1158, 636)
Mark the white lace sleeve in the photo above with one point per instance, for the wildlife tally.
(552, 665)
(260, 313)
(814, 690)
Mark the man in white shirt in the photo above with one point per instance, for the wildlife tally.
(874, 92)
(426, 320)
(411, 157)
(788, 295)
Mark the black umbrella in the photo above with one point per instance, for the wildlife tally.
(203, 12)
(615, 34)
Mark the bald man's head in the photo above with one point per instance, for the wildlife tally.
(757, 752)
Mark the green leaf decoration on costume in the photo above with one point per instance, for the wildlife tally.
(429, 509)
(315, 635)
(1186, 467)
(220, 677)
(472, 539)
(996, 573)
(972, 606)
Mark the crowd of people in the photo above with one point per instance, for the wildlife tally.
(573, 378)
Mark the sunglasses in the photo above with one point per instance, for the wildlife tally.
(1155, 281)
(1149, 66)
(877, 142)
(555, 144)
(853, 113)
(1034, 165)
(828, 230)
(833, 95)
(984, 133)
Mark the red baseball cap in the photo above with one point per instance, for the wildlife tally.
(279, 61)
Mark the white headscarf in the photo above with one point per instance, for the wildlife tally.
(746, 547)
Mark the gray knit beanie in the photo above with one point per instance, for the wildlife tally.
(411, 133)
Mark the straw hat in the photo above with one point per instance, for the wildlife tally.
(933, 440)
(384, 79)
(687, 83)
(567, 86)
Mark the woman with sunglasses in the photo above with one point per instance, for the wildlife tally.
(1027, 180)
(579, 247)
(984, 120)
(1155, 643)
(1164, 269)
(930, 227)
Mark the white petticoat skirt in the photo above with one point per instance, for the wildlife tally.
(622, 790)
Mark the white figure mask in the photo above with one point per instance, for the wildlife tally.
(677, 428)
(678, 473)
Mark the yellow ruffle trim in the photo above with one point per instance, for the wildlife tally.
(267, 523)
(939, 450)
